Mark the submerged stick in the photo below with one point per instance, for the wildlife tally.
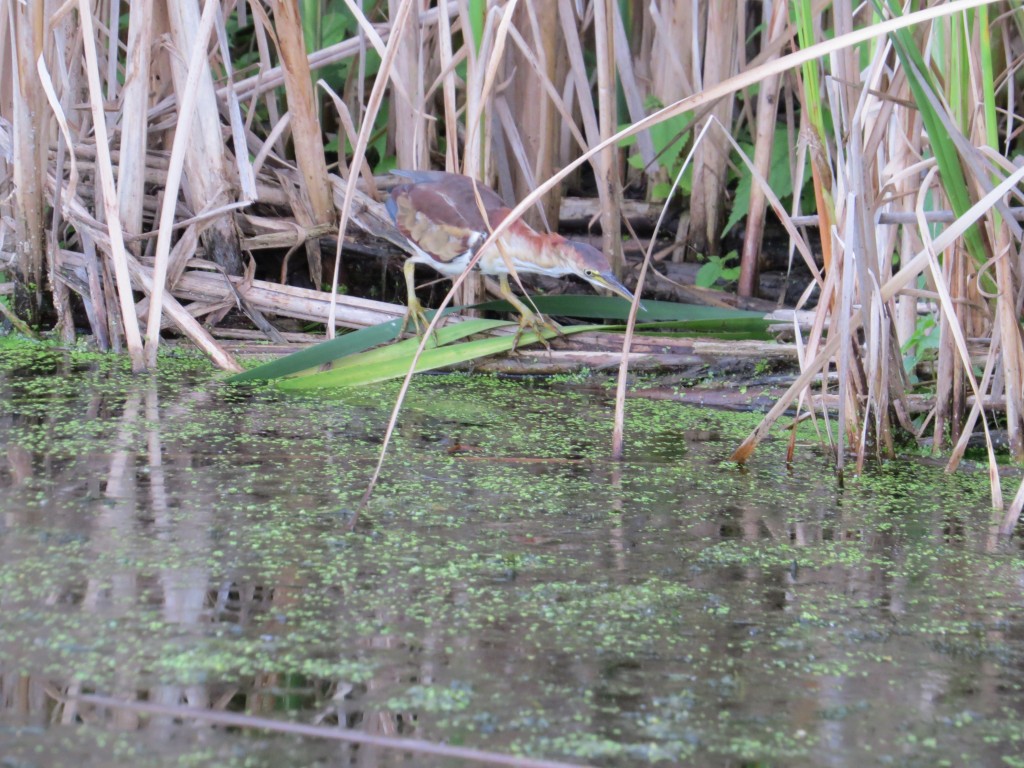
(421, 746)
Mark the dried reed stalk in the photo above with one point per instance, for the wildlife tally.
(134, 124)
(305, 125)
(30, 139)
(206, 286)
(189, 96)
(533, 130)
(118, 255)
(767, 121)
(373, 106)
(207, 181)
(723, 41)
(609, 183)
(408, 110)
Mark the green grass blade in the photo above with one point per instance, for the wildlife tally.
(659, 316)
(477, 14)
(356, 372)
(317, 355)
(988, 78)
(750, 328)
(613, 308)
(405, 349)
(325, 352)
(925, 92)
(802, 13)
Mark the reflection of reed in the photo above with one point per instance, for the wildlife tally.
(154, 444)
(19, 462)
(122, 457)
(182, 520)
(184, 587)
(115, 594)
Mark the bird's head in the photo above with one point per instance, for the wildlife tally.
(589, 263)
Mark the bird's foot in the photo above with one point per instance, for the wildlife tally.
(539, 324)
(418, 318)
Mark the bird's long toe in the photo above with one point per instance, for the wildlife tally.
(538, 324)
(414, 313)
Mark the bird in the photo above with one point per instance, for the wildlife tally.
(446, 217)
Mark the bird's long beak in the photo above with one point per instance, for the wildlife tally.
(609, 281)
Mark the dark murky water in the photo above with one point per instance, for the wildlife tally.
(178, 541)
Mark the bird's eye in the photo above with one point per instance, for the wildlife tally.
(588, 272)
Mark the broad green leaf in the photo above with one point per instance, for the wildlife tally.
(779, 178)
(686, 318)
(317, 355)
(740, 328)
(357, 372)
(614, 308)
(405, 349)
(718, 268)
(669, 138)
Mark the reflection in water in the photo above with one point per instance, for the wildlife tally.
(177, 542)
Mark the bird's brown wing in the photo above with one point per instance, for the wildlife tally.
(441, 215)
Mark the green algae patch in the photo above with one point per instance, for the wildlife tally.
(508, 586)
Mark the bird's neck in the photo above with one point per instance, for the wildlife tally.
(532, 251)
(522, 237)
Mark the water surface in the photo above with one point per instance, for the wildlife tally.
(174, 539)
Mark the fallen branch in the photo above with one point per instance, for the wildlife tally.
(274, 298)
(236, 720)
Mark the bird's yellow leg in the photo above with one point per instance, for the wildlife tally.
(527, 317)
(414, 310)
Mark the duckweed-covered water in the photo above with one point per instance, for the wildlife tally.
(181, 541)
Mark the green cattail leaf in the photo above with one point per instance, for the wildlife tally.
(370, 368)
(925, 92)
(477, 15)
(328, 351)
(319, 354)
(614, 308)
(405, 349)
(350, 350)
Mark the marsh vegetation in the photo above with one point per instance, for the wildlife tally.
(213, 171)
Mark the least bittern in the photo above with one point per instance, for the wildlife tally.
(447, 217)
